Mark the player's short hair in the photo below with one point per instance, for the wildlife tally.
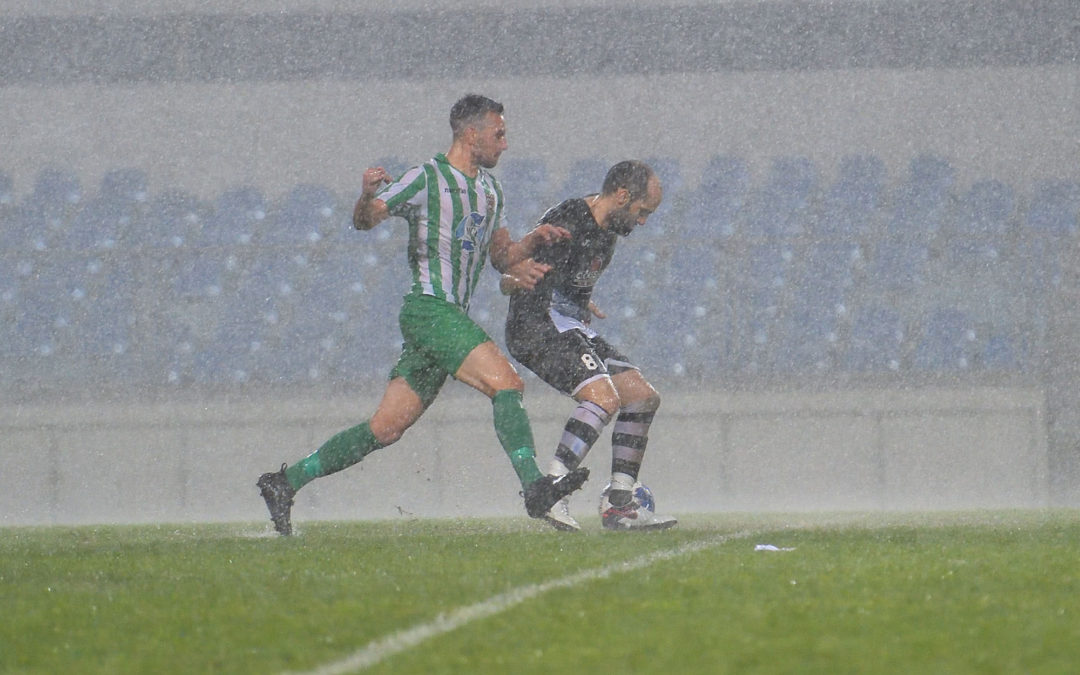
(470, 110)
(630, 174)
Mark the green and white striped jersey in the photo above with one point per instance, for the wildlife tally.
(451, 219)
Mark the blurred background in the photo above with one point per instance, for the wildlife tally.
(859, 197)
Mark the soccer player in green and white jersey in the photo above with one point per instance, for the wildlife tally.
(454, 208)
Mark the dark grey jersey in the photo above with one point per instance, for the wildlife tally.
(576, 265)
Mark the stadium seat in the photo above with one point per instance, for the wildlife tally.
(238, 218)
(308, 214)
(174, 219)
(876, 341)
(899, 266)
(809, 341)
(977, 231)
(947, 343)
(585, 177)
(852, 205)
(47, 213)
(782, 207)
(920, 204)
(395, 166)
(684, 333)
(103, 312)
(1005, 352)
(628, 289)
(660, 225)
(525, 187)
(715, 210)
(760, 289)
(105, 221)
(16, 272)
(1054, 209)
(186, 323)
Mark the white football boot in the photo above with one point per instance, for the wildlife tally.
(633, 516)
(559, 517)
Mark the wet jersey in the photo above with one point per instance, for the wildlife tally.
(563, 295)
(451, 220)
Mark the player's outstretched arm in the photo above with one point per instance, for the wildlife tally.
(523, 276)
(505, 253)
(369, 211)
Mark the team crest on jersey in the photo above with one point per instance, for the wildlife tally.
(470, 231)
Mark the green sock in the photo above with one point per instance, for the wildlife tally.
(340, 452)
(515, 434)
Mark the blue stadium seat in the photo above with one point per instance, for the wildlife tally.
(828, 276)
(238, 218)
(585, 176)
(947, 343)
(105, 221)
(660, 226)
(876, 341)
(45, 216)
(628, 289)
(920, 204)
(899, 265)
(782, 208)
(309, 214)
(685, 331)
(395, 166)
(103, 308)
(715, 210)
(1005, 351)
(526, 191)
(809, 341)
(16, 273)
(978, 230)
(852, 204)
(48, 288)
(174, 219)
(193, 308)
(761, 286)
(1054, 209)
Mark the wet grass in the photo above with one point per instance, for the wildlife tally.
(971, 592)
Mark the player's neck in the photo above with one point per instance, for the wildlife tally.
(461, 158)
(600, 208)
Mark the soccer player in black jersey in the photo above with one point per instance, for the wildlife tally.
(549, 331)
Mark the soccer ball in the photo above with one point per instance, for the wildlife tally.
(642, 495)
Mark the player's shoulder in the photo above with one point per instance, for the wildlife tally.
(568, 213)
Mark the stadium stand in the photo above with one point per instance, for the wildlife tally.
(782, 207)
(865, 278)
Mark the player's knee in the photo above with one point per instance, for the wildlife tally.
(387, 432)
(648, 404)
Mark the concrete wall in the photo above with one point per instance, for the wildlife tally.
(1017, 125)
(925, 449)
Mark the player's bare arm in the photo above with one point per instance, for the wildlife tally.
(596, 311)
(370, 211)
(505, 253)
(523, 276)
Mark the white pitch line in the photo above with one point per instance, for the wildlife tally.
(383, 648)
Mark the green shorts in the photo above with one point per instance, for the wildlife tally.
(438, 335)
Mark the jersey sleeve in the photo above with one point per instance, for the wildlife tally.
(406, 193)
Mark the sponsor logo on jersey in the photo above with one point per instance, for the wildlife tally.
(587, 278)
(471, 231)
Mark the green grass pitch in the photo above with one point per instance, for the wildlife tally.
(981, 592)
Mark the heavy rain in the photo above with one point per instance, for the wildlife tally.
(860, 291)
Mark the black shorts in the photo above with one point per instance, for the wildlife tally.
(569, 360)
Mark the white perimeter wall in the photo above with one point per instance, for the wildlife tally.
(1018, 125)
(926, 449)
